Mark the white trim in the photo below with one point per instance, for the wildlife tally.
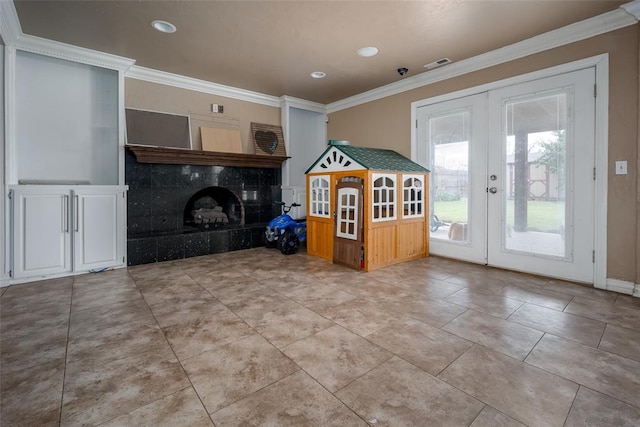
(621, 286)
(601, 65)
(12, 35)
(335, 166)
(633, 8)
(601, 123)
(303, 104)
(10, 28)
(189, 83)
(394, 203)
(420, 201)
(10, 160)
(326, 203)
(591, 27)
(636, 292)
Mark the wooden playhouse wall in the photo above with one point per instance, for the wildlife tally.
(386, 242)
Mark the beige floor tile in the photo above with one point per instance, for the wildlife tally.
(538, 296)
(490, 417)
(103, 296)
(621, 341)
(22, 351)
(565, 325)
(429, 287)
(106, 345)
(182, 408)
(110, 278)
(335, 356)
(296, 400)
(240, 294)
(19, 301)
(223, 279)
(281, 321)
(38, 290)
(193, 336)
(435, 312)
(578, 290)
(99, 394)
(360, 316)
(596, 409)
(398, 393)
(319, 297)
(501, 335)
(628, 301)
(186, 310)
(523, 392)
(489, 303)
(607, 373)
(3, 289)
(106, 316)
(31, 397)
(173, 293)
(230, 373)
(605, 312)
(426, 347)
(29, 322)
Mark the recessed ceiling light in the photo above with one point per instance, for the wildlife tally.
(318, 74)
(368, 51)
(163, 26)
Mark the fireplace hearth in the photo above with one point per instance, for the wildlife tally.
(181, 211)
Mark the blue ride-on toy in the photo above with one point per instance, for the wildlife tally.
(284, 232)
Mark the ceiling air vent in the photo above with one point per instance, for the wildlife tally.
(437, 63)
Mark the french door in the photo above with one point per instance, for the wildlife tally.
(512, 176)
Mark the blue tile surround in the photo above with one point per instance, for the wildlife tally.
(157, 198)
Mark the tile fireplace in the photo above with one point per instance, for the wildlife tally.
(182, 210)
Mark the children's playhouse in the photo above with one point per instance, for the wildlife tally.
(367, 208)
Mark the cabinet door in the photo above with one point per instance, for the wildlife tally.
(41, 232)
(98, 228)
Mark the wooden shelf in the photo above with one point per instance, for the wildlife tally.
(175, 156)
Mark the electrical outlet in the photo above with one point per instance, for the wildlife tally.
(214, 108)
(621, 167)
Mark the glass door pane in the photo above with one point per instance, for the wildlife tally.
(449, 139)
(535, 171)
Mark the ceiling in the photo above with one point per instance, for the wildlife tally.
(271, 47)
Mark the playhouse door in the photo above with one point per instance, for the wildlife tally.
(348, 247)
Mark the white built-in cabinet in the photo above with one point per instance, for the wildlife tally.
(57, 230)
(64, 155)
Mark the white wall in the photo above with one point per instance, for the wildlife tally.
(307, 136)
(66, 121)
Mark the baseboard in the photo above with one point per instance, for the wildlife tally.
(623, 287)
(636, 292)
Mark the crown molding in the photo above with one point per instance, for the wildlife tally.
(13, 36)
(302, 104)
(69, 52)
(183, 82)
(632, 8)
(601, 24)
(10, 27)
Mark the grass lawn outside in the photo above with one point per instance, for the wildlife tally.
(543, 216)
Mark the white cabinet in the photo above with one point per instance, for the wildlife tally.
(58, 230)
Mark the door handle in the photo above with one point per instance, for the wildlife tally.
(65, 213)
(76, 216)
(493, 190)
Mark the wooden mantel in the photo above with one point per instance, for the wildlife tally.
(176, 156)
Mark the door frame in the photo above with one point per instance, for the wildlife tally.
(601, 65)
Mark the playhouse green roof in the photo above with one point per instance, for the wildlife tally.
(375, 159)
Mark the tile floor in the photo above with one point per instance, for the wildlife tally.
(257, 338)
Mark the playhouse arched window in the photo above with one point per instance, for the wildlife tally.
(412, 196)
(384, 197)
(320, 196)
